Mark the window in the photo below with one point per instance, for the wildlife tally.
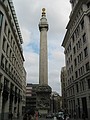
(77, 88)
(71, 57)
(73, 39)
(72, 68)
(6, 82)
(79, 72)
(7, 49)
(82, 25)
(81, 56)
(83, 85)
(76, 74)
(2, 60)
(88, 4)
(1, 18)
(75, 62)
(77, 46)
(8, 34)
(85, 52)
(88, 83)
(87, 66)
(84, 38)
(74, 50)
(6, 65)
(5, 28)
(9, 67)
(72, 78)
(3, 45)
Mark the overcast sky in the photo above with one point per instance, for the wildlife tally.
(29, 13)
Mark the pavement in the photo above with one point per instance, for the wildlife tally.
(77, 119)
(20, 118)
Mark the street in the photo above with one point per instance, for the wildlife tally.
(46, 118)
(56, 119)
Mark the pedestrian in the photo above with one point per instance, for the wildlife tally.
(67, 118)
(29, 115)
(25, 117)
(10, 115)
(74, 115)
(55, 118)
(83, 116)
(36, 115)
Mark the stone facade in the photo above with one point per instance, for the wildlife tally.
(11, 62)
(77, 50)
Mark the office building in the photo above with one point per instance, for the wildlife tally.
(11, 62)
(31, 96)
(77, 54)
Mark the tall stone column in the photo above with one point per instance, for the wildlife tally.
(43, 60)
(43, 90)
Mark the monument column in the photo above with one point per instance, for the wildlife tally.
(43, 60)
(43, 89)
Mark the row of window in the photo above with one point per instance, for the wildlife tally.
(70, 92)
(11, 41)
(8, 51)
(78, 73)
(6, 46)
(10, 85)
(79, 28)
(81, 70)
(79, 44)
(70, 70)
(77, 61)
(70, 80)
(10, 70)
(71, 106)
(80, 11)
(77, 32)
(79, 86)
(80, 57)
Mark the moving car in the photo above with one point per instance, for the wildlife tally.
(60, 116)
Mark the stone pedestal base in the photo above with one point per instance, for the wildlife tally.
(43, 99)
